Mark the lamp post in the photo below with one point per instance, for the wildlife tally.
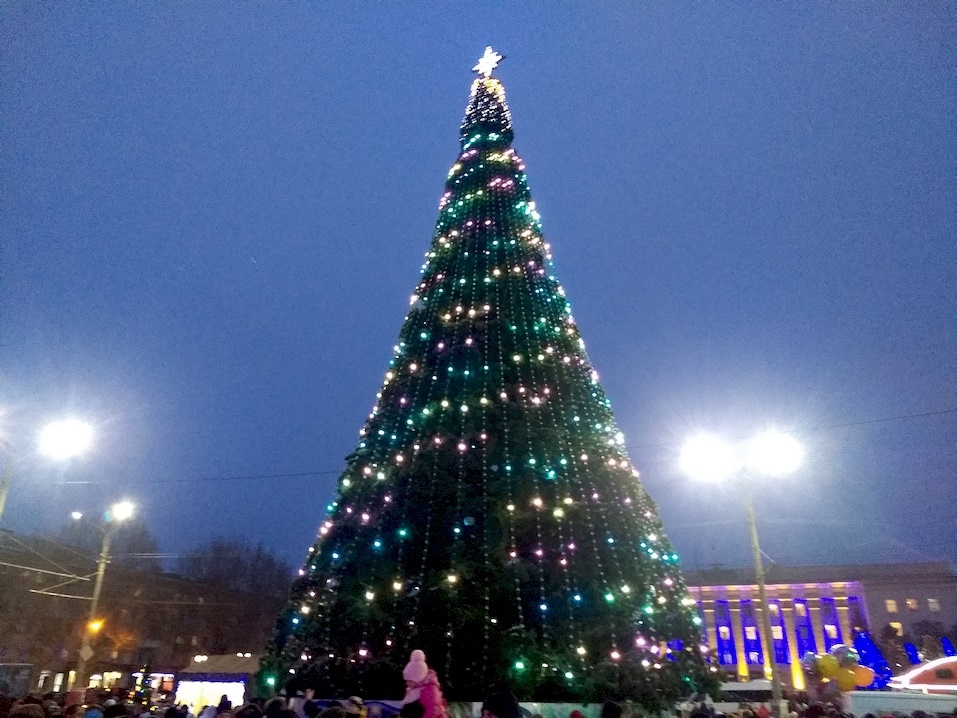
(772, 453)
(117, 513)
(58, 440)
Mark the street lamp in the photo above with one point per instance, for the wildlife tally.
(65, 439)
(117, 514)
(58, 440)
(772, 453)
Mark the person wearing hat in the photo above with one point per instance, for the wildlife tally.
(422, 685)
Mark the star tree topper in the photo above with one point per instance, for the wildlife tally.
(488, 62)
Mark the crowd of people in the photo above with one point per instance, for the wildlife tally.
(799, 706)
(423, 699)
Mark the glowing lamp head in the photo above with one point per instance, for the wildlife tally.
(773, 453)
(705, 457)
(122, 510)
(94, 626)
(65, 439)
(76, 515)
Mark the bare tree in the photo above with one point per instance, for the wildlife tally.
(133, 545)
(238, 566)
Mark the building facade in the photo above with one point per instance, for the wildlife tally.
(813, 608)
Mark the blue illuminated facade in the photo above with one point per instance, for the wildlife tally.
(814, 608)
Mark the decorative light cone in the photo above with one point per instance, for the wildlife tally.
(490, 514)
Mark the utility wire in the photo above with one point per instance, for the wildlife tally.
(304, 474)
(204, 479)
(825, 427)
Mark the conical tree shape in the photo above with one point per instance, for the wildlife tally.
(490, 514)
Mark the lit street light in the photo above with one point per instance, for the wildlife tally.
(117, 513)
(65, 439)
(121, 511)
(58, 440)
(706, 457)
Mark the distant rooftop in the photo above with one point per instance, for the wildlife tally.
(229, 663)
(925, 572)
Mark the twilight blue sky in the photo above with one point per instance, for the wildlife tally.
(213, 215)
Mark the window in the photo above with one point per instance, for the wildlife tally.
(750, 633)
(912, 604)
(777, 633)
(801, 609)
(724, 632)
(896, 625)
(831, 630)
(890, 605)
(933, 605)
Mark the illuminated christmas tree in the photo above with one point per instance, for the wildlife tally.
(490, 514)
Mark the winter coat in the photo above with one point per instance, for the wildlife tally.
(429, 694)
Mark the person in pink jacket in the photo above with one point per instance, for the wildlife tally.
(422, 685)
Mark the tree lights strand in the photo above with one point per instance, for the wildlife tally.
(489, 496)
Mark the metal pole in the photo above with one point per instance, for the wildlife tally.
(776, 692)
(5, 485)
(87, 650)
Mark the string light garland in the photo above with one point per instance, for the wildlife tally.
(490, 497)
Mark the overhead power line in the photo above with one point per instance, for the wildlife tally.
(825, 427)
(331, 472)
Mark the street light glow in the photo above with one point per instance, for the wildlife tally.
(76, 515)
(122, 510)
(705, 457)
(773, 453)
(65, 439)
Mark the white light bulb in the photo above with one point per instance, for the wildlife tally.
(61, 440)
(705, 457)
(122, 511)
(773, 453)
